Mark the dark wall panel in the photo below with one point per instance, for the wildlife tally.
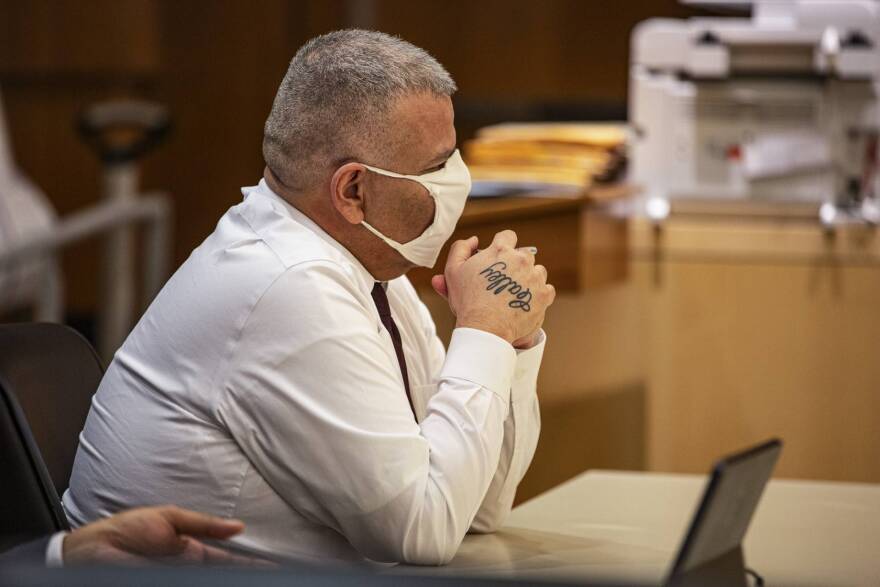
(217, 64)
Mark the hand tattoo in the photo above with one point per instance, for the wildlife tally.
(499, 281)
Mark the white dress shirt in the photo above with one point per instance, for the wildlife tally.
(261, 385)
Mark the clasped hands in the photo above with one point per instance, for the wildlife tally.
(499, 289)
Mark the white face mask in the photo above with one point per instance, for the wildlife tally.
(449, 187)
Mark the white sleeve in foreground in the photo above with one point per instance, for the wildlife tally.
(314, 398)
(55, 550)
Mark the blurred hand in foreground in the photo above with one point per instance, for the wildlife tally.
(151, 535)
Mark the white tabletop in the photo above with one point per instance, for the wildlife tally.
(628, 526)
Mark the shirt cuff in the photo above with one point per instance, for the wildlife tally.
(55, 550)
(482, 358)
(525, 375)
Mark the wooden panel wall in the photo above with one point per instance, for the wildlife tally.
(222, 61)
(759, 328)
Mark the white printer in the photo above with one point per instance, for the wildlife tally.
(781, 107)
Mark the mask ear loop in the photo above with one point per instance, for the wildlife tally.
(387, 173)
(383, 237)
(417, 178)
(428, 189)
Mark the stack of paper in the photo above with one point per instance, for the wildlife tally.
(573, 155)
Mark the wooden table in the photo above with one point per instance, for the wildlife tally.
(623, 526)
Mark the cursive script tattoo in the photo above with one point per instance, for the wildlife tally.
(500, 281)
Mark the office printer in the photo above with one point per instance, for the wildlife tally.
(780, 107)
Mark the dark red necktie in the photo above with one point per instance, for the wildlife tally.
(381, 300)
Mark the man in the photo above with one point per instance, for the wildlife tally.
(134, 537)
(289, 376)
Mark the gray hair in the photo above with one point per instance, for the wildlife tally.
(333, 102)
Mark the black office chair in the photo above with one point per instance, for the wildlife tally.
(29, 505)
(53, 372)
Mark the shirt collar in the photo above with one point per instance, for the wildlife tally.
(264, 190)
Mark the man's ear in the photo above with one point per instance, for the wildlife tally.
(347, 191)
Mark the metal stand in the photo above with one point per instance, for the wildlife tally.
(143, 126)
(153, 211)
